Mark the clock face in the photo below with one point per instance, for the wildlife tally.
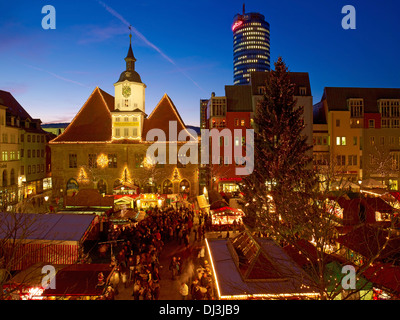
(126, 91)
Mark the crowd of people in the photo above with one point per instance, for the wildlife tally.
(136, 251)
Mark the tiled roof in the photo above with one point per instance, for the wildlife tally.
(92, 122)
(163, 113)
(337, 97)
(238, 98)
(13, 106)
(299, 79)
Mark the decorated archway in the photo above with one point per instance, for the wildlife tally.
(184, 187)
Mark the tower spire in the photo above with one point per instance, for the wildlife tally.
(130, 58)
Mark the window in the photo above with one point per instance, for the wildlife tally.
(112, 160)
(355, 141)
(126, 132)
(134, 132)
(340, 141)
(352, 160)
(372, 141)
(73, 163)
(395, 160)
(22, 138)
(29, 170)
(237, 142)
(382, 140)
(117, 132)
(242, 122)
(341, 160)
(4, 155)
(33, 138)
(356, 108)
(371, 123)
(302, 91)
(385, 123)
(92, 160)
(29, 153)
(139, 160)
(337, 122)
(22, 170)
(236, 122)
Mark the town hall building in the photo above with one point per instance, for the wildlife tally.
(104, 147)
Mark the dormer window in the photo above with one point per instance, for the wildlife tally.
(356, 107)
(302, 91)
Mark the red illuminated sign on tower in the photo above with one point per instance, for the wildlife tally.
(237, 24)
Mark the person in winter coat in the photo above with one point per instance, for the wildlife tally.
(184, 290)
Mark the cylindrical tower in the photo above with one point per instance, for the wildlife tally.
(250, 46)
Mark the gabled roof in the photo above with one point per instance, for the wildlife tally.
(13, 106)
(337, 97)
(163, 113)
(92, 122)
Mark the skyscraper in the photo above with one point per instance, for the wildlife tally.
(251, 51)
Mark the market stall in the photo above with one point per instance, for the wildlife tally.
(245, 267)
(149, 200)
(125, 217)
(226, 218)
(71, 282)
(50, 238)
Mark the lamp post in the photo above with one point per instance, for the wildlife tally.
(46, 198)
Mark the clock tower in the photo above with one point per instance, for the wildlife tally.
(129, 108)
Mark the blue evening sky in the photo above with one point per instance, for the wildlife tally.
(184, 48)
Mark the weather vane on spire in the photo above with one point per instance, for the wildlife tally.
(130, 34)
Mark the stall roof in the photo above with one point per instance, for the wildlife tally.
(32, 226)
(281, 279)
(79, 280)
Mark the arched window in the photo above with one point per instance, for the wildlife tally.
(72, 187)
(12, 177)
(102, 186)
(184, 186)
(117, 183)
(4, 178)
(167, 187)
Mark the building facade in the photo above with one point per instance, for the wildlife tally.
(356, 132)
(235, 112)
(23, 153)
(105, 147)
(251, 46)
